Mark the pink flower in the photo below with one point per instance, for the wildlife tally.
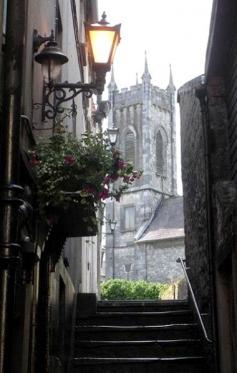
(69, 160)
(34, 162)
(88, 189)
(103, 194)
(107, 179)
(120, 163)
(114, 177)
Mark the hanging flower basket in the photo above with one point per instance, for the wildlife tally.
(79, 220)
(74, 176)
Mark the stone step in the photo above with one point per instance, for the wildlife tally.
(137, 337)
(146, 348)
(136, 332)
(135, 317)
(182, 364)
(146, 306)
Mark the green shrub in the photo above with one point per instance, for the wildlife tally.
(117, 289)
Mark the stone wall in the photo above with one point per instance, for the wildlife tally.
(145, 201)
(155, 262)
(195, 190)
(215, 265)
(206, 178)
(209, 206)
(62, 299)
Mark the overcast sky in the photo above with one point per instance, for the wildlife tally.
(171, 31)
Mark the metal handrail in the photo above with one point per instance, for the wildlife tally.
(181, 261)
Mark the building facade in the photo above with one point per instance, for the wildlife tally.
(40, 268)
(208, 137)
(145, 117)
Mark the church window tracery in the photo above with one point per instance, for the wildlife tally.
(161, 154)
(130, 146)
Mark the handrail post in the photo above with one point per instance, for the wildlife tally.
(181, 261)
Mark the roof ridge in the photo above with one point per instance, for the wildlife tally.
(166, 222)
(143, 229)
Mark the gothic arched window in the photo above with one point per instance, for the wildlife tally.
(161, 154)
(130, 146)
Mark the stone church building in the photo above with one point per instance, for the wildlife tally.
(149, 232)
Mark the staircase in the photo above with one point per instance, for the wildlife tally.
(138, 337)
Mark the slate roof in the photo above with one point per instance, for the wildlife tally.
(168, 221)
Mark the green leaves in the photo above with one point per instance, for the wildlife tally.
(118, 289)
(87, 166)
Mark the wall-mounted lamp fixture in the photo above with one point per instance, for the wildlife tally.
(112, 225)
(38, 39)
(102, 41)
(113, 134)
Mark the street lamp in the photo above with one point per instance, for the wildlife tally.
(112, 225)
(113, 134)
(102, 41)
(51, 59)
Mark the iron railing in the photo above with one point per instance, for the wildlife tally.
(181, 261)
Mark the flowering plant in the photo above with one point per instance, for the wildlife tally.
(69, 170)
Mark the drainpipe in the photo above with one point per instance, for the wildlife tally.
(10, 191)
(42, 341)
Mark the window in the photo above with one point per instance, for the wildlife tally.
(129, 218)
(130, 147)
(161, 154)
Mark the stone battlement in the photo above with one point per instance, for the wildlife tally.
(134, 95)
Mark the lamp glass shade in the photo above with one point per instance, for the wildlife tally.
(51, 69)
(116, 42)
(113, 134)
(102, 43)
(112, 224)
(51, 59)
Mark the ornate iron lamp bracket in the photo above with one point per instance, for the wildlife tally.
(56, 94)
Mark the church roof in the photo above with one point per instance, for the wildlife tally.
(168, 221)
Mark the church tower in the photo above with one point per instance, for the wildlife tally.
(145, 117)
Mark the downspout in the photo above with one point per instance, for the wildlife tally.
(201, 94)
(43, 316)
(10, 191)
